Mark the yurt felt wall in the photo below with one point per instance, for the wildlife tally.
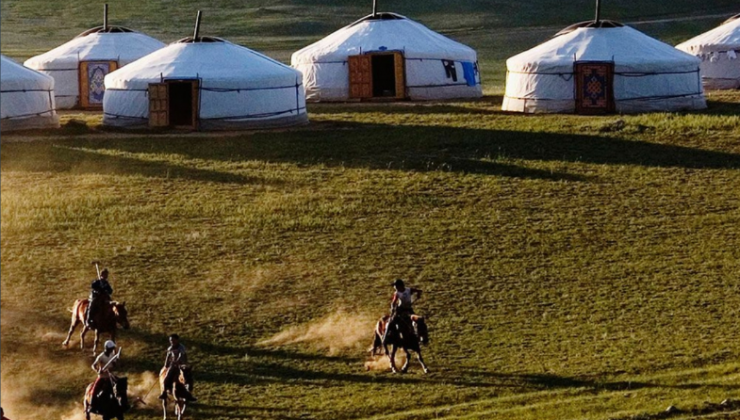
(643, 74)
(234, 87)
(87, 59)
(26, 98)
(719, 51)
(429, 65)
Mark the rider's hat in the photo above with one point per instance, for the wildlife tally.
(105, 271)
(398, 283)
(110, 344)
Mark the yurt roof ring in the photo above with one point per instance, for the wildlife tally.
(196, 34)
(596, 23)
(105, 28)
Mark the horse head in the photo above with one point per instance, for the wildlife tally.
(119, 309)
(422, 331)
(120, 389)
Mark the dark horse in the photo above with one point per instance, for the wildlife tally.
(180, 389)
(108, 406)
(106, 319)
(406, 333)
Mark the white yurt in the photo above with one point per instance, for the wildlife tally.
(719, 51)
(387, 56)
(26, 98)
(205, 83)
(600, 67)
(80, 65)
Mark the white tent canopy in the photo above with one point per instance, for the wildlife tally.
(646, 74)
(236, 87)
(26, 98)
(436, 67)
(719, 51)
(119, 45)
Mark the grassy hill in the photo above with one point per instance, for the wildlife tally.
(573, 267)
(497, 29)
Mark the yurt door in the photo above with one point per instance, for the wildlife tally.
(360, 76)
(174, 103)
(377, 75)
(594, 87)
(92, 82)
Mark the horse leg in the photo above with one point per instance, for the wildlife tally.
(392, 358)
(421, 360)
(72, 327)
(405, 366)
(82, 336)
(95, 344)
(164, 407)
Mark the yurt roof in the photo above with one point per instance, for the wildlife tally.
(721, 38)
(384, 32)
(628, 48)
(590, 24)
(219, 64)
(101, 45)
(105, 30)
(14, 76)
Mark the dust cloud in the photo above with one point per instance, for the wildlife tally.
(143, 388)
(383, 363)
(336, 333)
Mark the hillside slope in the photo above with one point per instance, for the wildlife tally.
(572, 267)
(496, 28)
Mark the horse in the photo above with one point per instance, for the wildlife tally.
(401, 335)
(180, 388)
(111, 314)
(108, 407)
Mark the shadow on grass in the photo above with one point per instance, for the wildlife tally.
(359, 145)
(717, 106)
(425, 148)
(83, 160)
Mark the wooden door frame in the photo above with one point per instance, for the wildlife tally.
(195, 104)
(83, 83)
(401, 86)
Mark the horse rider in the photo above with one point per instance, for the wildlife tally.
(103, 366)
(175, 360)
(402, 304)
(100, 292)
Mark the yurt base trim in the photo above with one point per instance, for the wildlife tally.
(212, 124)
(633, 105)
(716, 83)
(29, 123)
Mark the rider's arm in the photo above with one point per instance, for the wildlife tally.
(167, 359)
(95, 365)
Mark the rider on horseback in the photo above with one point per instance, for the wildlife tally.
(103, 365)
(401, 305)
(175, 361)
(100, 292)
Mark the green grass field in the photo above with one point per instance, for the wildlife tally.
(573, 267)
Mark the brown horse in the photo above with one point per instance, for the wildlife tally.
(407, 334)
(110, 314)
(182, 387)
(108, 406)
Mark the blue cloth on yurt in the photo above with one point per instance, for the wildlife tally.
(469, 72)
